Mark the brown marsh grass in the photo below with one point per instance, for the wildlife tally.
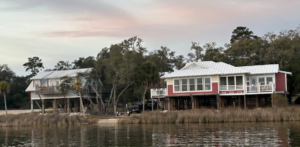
(35, 119)
(214, 116)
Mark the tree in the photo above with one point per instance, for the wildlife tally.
(4, 89)
(213, 53)
(6, 74)
(179, 62)
(78, 87)
(163, 59)
(34, 65)
(148, 75)
(241, 33)
(197, 55)
(82, 62)
(63, 65)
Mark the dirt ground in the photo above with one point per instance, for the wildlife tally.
(2, 112)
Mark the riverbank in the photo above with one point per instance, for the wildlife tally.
(215, 116)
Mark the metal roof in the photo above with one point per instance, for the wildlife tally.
(261, 69)
(59, 74)
(204, 68)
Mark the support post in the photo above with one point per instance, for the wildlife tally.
(245, 105)
(218, 102)
(272, 100)
(65, 105)
(169, 105)
(54, 105)
(239, 101)
(31, 106)
(43, 106)
(80, 106)
(68, 109)
(256, 101)
(192, 99)
(76, 105)
(178, 104)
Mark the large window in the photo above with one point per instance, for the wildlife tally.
(231, 83)
(184, 84)
(192, 84)
(207, 84)
(261, 80)
(37, 83)
(269, 79)
(177, 85)
(199, 84)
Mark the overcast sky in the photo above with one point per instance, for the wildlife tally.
(68, 29)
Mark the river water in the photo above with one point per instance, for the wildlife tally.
(217, 134)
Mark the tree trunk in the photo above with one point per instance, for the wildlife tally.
(81, 105)
(115, 106)
(5, 102)
(144, 98)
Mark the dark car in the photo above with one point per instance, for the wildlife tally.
(148, 105)
(136, 107)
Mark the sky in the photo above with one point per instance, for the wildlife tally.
(65, 30)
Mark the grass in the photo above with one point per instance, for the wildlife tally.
(214, 116)
(35, 119)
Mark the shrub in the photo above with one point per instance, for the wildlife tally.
(280, 100)
(297, 101)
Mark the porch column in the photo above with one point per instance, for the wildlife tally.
(31, 106)
(81, 105)
(54, 105)
(192, 99)
(43, 107)
(256, 101)
(245, 106)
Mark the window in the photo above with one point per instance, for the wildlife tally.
(231, 84)
(207, 83)
(269, 79)
(56, 82)
(223, 81)
(199, 84)
(184, 84)
(51, 82)
(44, 82)
(239, 82)
(177, 85)
(261, 80)
(192, 84)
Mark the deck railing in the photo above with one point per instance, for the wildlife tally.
(47, 90)
(260, 88)
(159, 92)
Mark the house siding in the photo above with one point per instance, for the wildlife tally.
(280, 82)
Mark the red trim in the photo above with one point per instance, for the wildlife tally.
(214, 90)
(33, 84)
(41, 83)
(234, 91)
(280, 81)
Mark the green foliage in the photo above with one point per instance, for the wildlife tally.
(34, 65)
(148, 74)
(241, 33)
(4, 87)
(66, 84)
(280, 100)
(297, 101)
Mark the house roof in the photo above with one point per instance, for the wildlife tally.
(59, 74)
(261, 69)
(204, 68)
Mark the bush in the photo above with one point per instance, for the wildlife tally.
(297, 101)
(280, 100)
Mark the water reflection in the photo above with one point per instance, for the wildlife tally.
(230, 134)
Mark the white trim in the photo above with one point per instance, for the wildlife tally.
(195, 82)
(234, 78)
(286, 72)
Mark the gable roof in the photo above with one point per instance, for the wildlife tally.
(59, 73)
(204, 68)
